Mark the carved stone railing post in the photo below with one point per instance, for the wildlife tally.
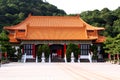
(65, 59)
(43, 57)
(49, 58)
(72, 57)
(24, 60)
(36, 59)
(78, 58)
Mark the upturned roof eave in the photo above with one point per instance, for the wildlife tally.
(57, 39)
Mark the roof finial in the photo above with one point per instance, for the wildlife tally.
(84, 25)
(78, 15)
(29, 15)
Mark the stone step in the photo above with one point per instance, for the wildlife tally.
(57, 59)
(30, 60)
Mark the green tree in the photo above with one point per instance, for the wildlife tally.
(117, 45)
(46, 50)
(93, 48)
(39, 51)
(4, 44)
(105, 18)
(4, 41)
(19, 55)
(112, 46)
(109, 45)
(14, 11)
(43, 48)
(72, 48)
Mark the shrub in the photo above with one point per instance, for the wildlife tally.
(44, 48)
(72, 48)
(39, 51)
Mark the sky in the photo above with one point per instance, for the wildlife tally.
(78, 6)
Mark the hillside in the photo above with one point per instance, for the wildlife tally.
(104, 18)
(14, 11)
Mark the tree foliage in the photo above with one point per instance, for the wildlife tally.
(43, 48)
(93, 49)
(39, 51)
(105, 18)
(5, 46)
(46, 50)
(112, 45)
(109, 45)
(14, 11)
(72, 48)
(4, 41)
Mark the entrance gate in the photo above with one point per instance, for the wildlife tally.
(57, 53)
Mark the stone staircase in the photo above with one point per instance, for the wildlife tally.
(28, 58)
(57, 59)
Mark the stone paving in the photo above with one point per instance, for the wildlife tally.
(60, 71)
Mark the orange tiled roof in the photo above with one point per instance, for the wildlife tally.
(12, 38)
(92, 34)
(35, 33)
(53, 21)
(90, 27)
(100, 39)
(20, 34)
(49, 21)
(53, 28)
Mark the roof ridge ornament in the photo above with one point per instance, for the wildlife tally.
(29, 15)
(78, 15)
(84, 25)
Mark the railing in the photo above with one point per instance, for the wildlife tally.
(89, 57)
(25, 56)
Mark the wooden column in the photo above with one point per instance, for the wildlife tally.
(64, 49)
(78, 45)
(117, 56)
(109, 56)
(60, 53)
(33, 50)
(5, 54)
(48, 44)
(57, 52)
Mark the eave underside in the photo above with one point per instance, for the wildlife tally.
(56, 42)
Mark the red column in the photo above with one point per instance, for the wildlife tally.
(64, 49)
(57, 52)
(48, 44)
(33, 51)
(5, 54)
(117, 56)
(60, 52)
(78, 45)
(109, 56)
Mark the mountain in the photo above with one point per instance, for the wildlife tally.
(14, 11)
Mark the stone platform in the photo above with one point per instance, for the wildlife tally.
(60, 71)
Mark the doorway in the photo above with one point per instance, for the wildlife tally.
(57, 53)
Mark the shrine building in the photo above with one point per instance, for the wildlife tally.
(56, 31)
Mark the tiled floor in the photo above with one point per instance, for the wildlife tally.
(60, 71)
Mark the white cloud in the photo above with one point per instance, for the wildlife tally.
(77, 6)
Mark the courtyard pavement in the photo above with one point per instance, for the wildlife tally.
(60, 71)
